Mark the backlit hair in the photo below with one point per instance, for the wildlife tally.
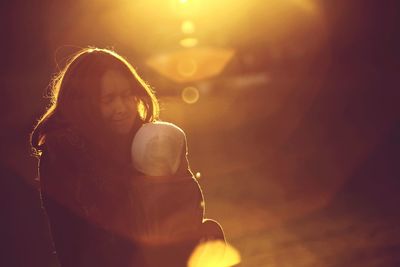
(75, 93)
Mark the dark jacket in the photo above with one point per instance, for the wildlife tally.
(103, 213)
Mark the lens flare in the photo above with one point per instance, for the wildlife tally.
(214, 254)
(188, 27)
(190, 95)
(189, 42)
(187, 67)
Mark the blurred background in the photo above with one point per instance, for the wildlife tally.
(291, 109)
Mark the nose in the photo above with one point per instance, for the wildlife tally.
(119, 105)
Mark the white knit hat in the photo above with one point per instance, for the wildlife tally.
(157, 148)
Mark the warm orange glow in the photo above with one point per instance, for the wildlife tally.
(147, 25)
(190, 95)
(189, 42)
(306, 5)
(214, 254)
(187, 67)
(191, 64)
(188, 27)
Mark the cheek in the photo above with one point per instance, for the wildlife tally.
(131, 105)
(106, 111)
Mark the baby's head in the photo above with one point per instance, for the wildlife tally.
(157, 148)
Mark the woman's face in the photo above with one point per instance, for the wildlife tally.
(118, 104)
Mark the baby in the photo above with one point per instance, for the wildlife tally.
(158, 149)
(170, 210)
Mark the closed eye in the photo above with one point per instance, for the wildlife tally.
(107, 99)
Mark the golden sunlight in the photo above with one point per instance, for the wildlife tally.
(191, 64)
(214, 254)
(190, 95)
(187, 67)
(189, 42)
(187, 27)
(306, 5)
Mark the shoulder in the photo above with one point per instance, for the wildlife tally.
(64, 146)
(65, 138)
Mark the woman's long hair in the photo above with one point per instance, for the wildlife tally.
(75, 94)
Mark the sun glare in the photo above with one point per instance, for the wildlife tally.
(190, 95)
(214, 254)
(189, 42)
(187, 27)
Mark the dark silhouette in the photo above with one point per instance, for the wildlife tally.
(103, 212)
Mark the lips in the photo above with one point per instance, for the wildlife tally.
(120, 119)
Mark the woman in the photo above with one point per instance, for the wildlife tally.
(93, 197)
